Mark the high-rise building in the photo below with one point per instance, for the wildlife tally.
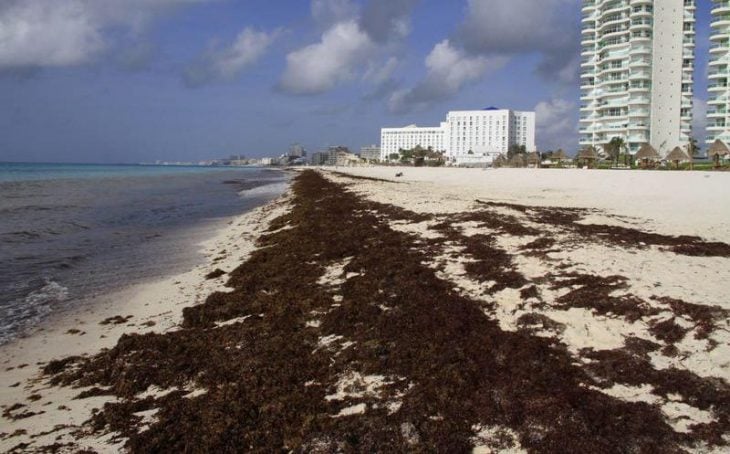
(718, 114)
(637, 62)
(319, 158)
(466, 135)
(297, 151)
(491, 130)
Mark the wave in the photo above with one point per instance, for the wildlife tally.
(266, 190)
(22, 314)
(25, 234)
(59, 228)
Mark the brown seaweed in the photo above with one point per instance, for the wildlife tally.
(449, 366)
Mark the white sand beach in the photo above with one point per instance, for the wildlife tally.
(662, 283)
(667, 203)
(689, 203)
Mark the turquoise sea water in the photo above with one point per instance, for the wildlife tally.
(43, 171)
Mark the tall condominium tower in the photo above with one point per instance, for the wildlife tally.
(637, 61)
(718, 115)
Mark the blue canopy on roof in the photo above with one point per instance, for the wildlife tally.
(491, 108)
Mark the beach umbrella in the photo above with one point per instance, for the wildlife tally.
(517, 161)
(499, 161)
(559, 155)
(588, 154)
(647, 153)
(677, 155)
(717, 150)
(533, 158)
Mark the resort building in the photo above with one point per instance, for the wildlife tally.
(319, 158)
(467, 136)
(393, 140)
(297, 151)
(637, 62)
(339, 156)
(718, 115)
(370, 153)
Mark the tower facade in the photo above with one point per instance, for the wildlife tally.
(718, 116)
(637, 63)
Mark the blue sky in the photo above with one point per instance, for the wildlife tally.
(141, 80)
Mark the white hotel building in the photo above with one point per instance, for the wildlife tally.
(467, 136)
(636, 72)
(718, 115)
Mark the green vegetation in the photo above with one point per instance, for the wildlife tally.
(614, 149)
(515, 150)
(420, 157)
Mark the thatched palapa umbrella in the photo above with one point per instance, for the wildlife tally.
(646, 154)
(588, 155)
(533, 159)
(517, 160)
(677, 155)
(499, 161)
(717, 150)
(559, 155)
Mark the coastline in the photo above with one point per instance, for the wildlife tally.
(421, 312)
(67, 238)
(155, 306)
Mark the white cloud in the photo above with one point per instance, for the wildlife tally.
(41, 33)
(225, 64)
(556, 124)
(46, 34)
(453, 67)
(353, 44)
(448, 70)
(320, 67)
(248, 47)
(494, 31)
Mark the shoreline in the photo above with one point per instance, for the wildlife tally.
(68, 241)
(155, 306)
(388, 315)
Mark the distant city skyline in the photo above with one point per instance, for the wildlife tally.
(188, 80)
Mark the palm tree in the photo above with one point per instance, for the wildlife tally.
(588, 154)
(611, 150)
(615, 147)
(692, 150)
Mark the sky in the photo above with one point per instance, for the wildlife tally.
(111, 81)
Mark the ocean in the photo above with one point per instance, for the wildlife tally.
(69, 232)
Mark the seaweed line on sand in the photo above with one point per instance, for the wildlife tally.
(388, 357)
